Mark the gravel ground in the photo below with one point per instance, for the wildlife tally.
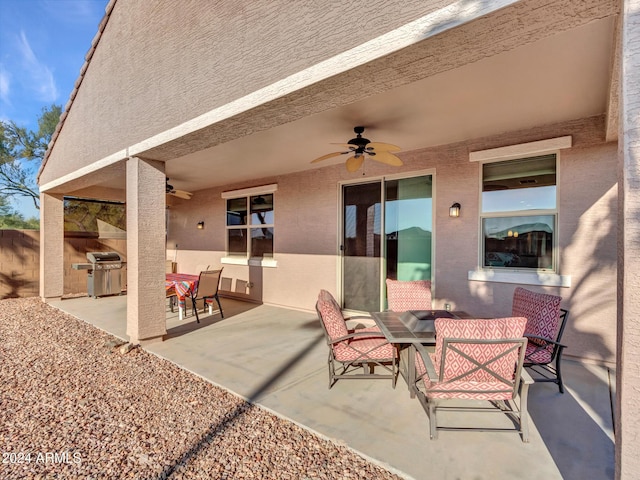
(73, 406)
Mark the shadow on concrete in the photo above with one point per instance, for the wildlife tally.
(551, 412)
(230, 307)
(231, 417)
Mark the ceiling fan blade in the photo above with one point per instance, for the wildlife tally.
(350, 146)
(328, 155)
(388, 158)
(182, 194)
(354, 163)
(382, 147)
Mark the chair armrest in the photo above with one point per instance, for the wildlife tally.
(353, 322)
(358, 334)
(525, 378)
(426, 359)
(544, 339)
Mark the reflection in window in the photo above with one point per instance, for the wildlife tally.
(519, 242)
(519, 213)
(259, 228)
(522, 184)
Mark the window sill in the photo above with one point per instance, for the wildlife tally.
(524, 278)
(252, 262)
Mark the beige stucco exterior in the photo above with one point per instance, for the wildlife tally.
(307, 235)
(177, 87)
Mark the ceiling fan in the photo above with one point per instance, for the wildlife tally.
(360, 146)
(178, 193)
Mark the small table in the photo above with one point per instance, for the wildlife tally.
(183, 284)
(414, 327)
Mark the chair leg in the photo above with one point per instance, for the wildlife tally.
(331, 370)
(219, 306)
(558, 372)
(524, 413)
(195, 308)
(433, 426)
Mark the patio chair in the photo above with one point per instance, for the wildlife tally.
(403, 295)
(169, 267)
(207, 291)
(350, 350)
(172, 297)
(478, 360)
(545, 325)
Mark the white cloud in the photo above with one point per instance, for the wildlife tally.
(41, 78)
(5, 86)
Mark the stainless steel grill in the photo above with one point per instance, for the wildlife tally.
(103, 276)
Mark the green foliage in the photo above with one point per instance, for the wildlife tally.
(12, 220)
(82, 215)
(21, 153)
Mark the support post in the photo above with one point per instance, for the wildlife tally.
(627, 417)
(51, 246)
(146, 320)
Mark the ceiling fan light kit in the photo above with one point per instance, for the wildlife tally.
(359, 146)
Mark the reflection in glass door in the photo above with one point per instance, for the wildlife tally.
(361, 246)
(403, 253)
(408, 228)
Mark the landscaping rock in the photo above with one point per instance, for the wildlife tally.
(69, 409)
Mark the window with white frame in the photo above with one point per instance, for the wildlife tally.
(519, 214)
(250, 225)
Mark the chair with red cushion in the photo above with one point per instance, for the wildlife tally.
(350, 350)
(545, 325)
(403, 295)
(475, 360)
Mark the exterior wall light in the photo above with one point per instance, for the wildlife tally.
(454, 210)
(201, 225)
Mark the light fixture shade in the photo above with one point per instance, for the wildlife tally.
(200, 225)
(454, 210)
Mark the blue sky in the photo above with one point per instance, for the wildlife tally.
(42, 48)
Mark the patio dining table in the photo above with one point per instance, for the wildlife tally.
(411, 328)
(183, 285)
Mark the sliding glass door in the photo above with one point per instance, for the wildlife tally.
(361, 246)
(403, 252)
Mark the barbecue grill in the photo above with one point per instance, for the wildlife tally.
(103, 276)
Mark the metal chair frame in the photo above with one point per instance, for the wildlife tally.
(546, 372)
(207, 291)
(515, 407)
(344, 369)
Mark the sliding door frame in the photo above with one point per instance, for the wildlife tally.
(381, 179)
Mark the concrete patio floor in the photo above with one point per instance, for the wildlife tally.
(277, 357)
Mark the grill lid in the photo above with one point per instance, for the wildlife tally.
(98, 257)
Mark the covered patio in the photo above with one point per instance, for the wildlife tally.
(276, 358)
(231, 106)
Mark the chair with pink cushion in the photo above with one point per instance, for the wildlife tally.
(475, 360)
(545, 325)
(350, 350)
(403, 295)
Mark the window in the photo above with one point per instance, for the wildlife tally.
(250, 220)
(519, 214)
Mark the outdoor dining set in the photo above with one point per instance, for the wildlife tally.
(181, 287)
(449, 360)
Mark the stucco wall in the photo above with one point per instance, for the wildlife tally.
(306, 230)
(198, 55)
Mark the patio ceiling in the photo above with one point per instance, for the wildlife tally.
(559, 77)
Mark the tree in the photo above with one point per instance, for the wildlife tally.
(22, 152)
(10, 219)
